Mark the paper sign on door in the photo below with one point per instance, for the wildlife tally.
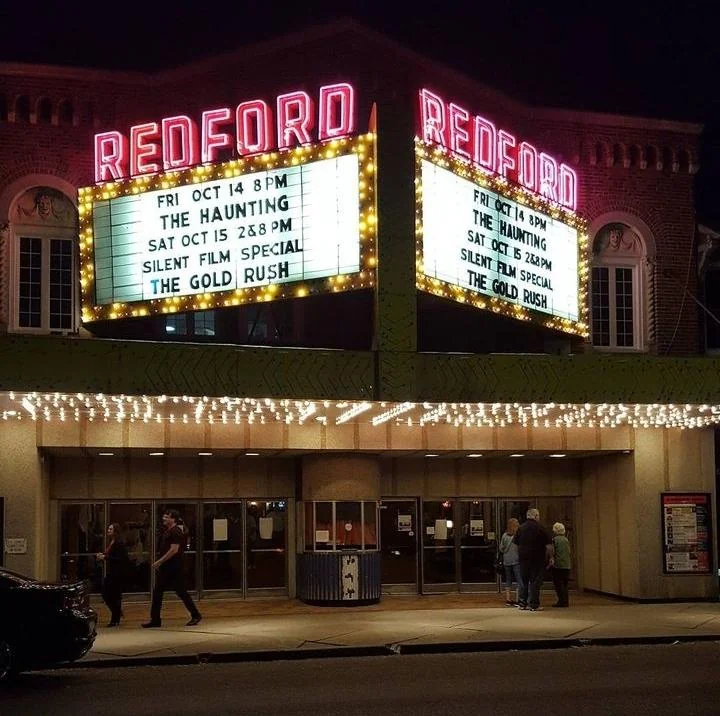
(440, 529)
(404, 523)
(220, 530)
(266, 527)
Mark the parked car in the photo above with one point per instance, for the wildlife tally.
(42, 624)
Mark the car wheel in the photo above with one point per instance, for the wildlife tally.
(8, 666)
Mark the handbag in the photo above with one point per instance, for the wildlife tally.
(499, 566)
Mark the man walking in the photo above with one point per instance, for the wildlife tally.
(535, 551)
(169, 571)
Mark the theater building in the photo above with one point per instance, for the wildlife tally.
(344, 307)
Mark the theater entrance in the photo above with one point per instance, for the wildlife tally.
(449, 545)
(236, 547)
(399, 535)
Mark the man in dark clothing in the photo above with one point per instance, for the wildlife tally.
(169, 571)
(535, 552)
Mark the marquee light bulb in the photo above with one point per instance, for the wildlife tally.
(363, 278)
(49, 407)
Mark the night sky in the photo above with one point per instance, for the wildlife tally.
(656, 59)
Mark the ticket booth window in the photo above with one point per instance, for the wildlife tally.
(340, 525)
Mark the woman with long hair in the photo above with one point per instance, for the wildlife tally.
(117, 563)
(510, 559)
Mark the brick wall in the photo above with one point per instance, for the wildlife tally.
(644, 170)
(655, 184)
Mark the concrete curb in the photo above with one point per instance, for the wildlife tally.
(227, 657)
(537, 644)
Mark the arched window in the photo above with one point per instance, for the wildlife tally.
(618, 289)
(602, 154)
(618, 155)
(88, 114)
(65, 112)
(43, 110)
(683, 161)
(668, 159)
(43, 227)
(22, 109)
(635, 156)
(651, 156)
(3, 108)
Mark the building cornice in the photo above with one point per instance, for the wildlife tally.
(80, 74)
(294, 39)
(603, 119)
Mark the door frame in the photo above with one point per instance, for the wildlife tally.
(459, 587)
(197, 503)
(409, 587)
(266, 591)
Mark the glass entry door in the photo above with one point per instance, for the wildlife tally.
(266, 544)
(189, 516)
(478, 544)
(136, 527)
(399, 545)
(236, 546)
(222, 566)
(513, 508)
(552, 510)
(440, 553)
(82, 536)
(459, 538)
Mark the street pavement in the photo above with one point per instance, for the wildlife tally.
(660, 680)
(286, 629)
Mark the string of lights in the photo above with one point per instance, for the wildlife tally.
(363, 146)
(64, 407)
(464, 168)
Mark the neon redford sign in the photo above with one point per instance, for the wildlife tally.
(178, 142)
(496, 150)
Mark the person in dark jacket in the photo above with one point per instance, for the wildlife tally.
(535, 552)
(169, 570)
(117, 565)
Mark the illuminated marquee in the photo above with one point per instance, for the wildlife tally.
(247, 129)
(489, 244)
(474, 138)
(275, 225)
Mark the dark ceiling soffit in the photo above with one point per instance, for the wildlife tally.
(49, 363)
(590, 378)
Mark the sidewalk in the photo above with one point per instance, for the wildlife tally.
(287, 629)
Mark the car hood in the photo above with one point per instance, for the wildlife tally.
(54, 586)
